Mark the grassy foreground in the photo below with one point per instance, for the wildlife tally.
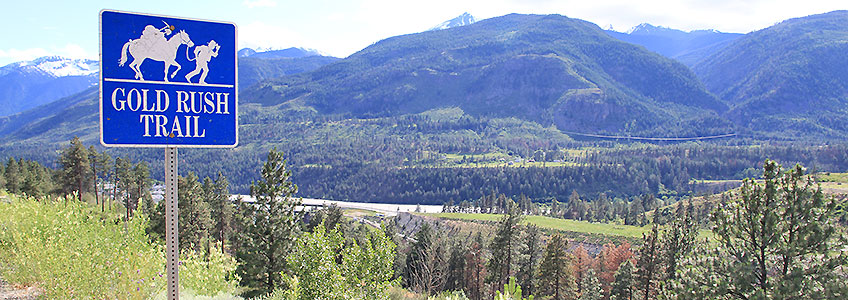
(556, 224)
(71, 250)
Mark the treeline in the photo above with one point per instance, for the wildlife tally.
(664, 171)
(338, 158)
(793, 249)
(633, 211)
(773, 240)
(82, 172)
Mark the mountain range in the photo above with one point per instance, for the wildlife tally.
(548, 69)
(28, 84)
(786, 81)
(686, 47)
(790, 79)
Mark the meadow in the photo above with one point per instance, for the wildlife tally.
(563, 225)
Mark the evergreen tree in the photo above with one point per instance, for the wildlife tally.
(195, 218)
(677, 241)
(649, 265)
(622, 288)
(100, 162)
(456, 267)
(504, 246)
(531, 253)
(222, 208)
(2, 176)
(577, 208)
(140, 187)
(609, 261)
(13, 176)
(425, 270)
(556, 278)
(591, 286)
(776, 240)
(37, 178)
(475, 269)
(268, 227)
(123, 183)
(76, 169)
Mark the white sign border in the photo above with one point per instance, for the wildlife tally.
(100, 103)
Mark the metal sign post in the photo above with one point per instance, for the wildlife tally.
(172, 216)
(168, 82)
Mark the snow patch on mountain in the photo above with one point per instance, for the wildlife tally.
(461, 20)
(55, 66)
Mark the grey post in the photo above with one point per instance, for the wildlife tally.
(172, 212)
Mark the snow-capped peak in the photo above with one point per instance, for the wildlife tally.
(58, 66)
(461, 20)
(642, 28)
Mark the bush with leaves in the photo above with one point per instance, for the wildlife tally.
(365, 271)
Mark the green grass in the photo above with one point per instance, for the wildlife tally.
(832, 177)
(73, 251)
(557, 224)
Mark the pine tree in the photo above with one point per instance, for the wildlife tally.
(99, 167)
(195, 214)
(2, 176)
(649, 265)
(75, 165)
(425, 270)
(677, 241)
(268, 227)
(475, 269)
(13, 176)
(123, 183)
(776, 240)
(456, 267)
(531, 253)
(609, 261)
(556, 278)
(222, 208)
(504, 246)
(140, 187)
(591, 286)
(622, 288)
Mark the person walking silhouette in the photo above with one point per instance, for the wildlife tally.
(202, 55)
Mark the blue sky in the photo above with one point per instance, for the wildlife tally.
(32, 28)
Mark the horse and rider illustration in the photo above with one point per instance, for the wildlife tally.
(153, 44)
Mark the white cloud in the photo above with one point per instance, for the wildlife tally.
(262, 35)
(74, 51)
(260, 3)
(22, 54)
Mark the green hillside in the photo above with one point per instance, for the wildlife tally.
(455, 114)
(546, 69)
(790, 79)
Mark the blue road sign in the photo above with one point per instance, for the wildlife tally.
(167, 81)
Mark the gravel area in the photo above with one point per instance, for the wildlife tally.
(9, 291)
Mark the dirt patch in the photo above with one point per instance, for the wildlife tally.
(9, 291)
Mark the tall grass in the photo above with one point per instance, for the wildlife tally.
(72, 251)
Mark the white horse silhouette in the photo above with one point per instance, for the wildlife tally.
(157, 49)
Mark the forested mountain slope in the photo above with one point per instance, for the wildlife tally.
(547, 69)
(790, 79)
